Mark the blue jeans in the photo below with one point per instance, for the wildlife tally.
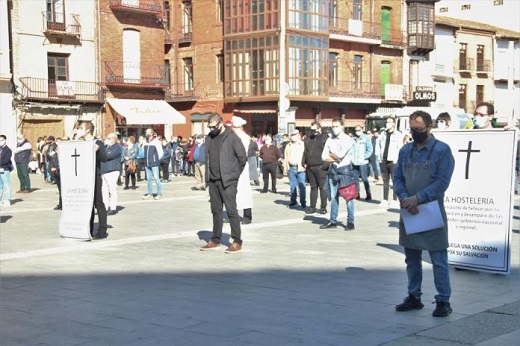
(297, 179)
(153, 173)
(363, 173)
(441, 273)
(334, 203)
(5, 183)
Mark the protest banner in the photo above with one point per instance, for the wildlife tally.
(77, 167)
(479, 200)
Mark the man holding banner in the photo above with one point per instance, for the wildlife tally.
(423, 174)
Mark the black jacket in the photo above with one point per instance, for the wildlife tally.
(233, 157)
(5, 158)
(314, 149)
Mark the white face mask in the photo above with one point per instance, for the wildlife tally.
(80, 133)
(336, 131)
(441, 126)
(359, 133)
(294, 138)
(481, 121)
(268, 142)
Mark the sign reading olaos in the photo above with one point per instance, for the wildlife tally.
(423, 93)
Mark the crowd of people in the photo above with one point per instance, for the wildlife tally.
(227, 162)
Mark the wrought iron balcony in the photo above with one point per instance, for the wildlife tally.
(393, 38)
(483, 66)
(71, 26)
(139, 6)
(464, 65)
(186, 37)
(128, 74)
(355, 30)
(50, 89)
(181, 92)
(352, 89)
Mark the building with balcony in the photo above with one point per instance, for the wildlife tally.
(7, 118)
(55, 72)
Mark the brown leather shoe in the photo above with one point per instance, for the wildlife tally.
(209, 246)
(234, 248)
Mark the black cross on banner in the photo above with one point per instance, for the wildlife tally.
(75, 156)
(468, 151)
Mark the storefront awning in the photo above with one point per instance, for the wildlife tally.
(147, 111)
(263, 109)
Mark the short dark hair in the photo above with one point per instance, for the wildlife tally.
(338, 120)
(215, 116)
(490, 107)
(316, 123)
(3, 137)
(89, 125)
(391, 117)
(426, 117)
(444, 116)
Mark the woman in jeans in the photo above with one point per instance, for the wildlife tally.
(130, 154)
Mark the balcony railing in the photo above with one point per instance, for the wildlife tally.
(141, 6)
(483, 66)
(181, 92)
(355, 28)
(353, 89)
(69, 27)
(122, 73)
(168, 37)
(186, 37)
(393, 38)
(465, 65)
(50, 89)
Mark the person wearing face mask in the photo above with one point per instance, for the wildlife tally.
(226, 158)
(110, 173)
(388, 145)
(22, 157)
(483, 117)
(423, 173)
(362, 151)
(443, 121)
(338, 153)
(270, 155)
(294, 167)
(153, 151)
(6, 166)
(85, 131)
(316, 170)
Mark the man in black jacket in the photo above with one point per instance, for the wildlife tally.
(316, 172)
(225, 160)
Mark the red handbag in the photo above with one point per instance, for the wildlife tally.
(348, 192)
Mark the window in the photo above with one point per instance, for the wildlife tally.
(421, 25)
(333, 69)
(498, 2)
(187, 25)
(479, 97)
(55, 14)
(257, 15)
(167, 16)
(309, 15)
(385, 75)
(413, 75)
(357, 10)
(480, 58)
(220, 68)
(357, 71)
(465, 7)
(247, 16)
(463, 60)
(385, 24)
(251, 66)
(333, 13)
(462, 96)
(220, 12)
(443, 10)
(165, 72)
(308, 60)
(57, 70)
(131, 56)
(188, 73)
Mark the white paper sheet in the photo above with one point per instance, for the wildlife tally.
(429, 217)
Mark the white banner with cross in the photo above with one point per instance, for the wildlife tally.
(77, 170)
(479, 200)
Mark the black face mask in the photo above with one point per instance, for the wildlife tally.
(313, 133)
(419, 137)
(215, 132)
